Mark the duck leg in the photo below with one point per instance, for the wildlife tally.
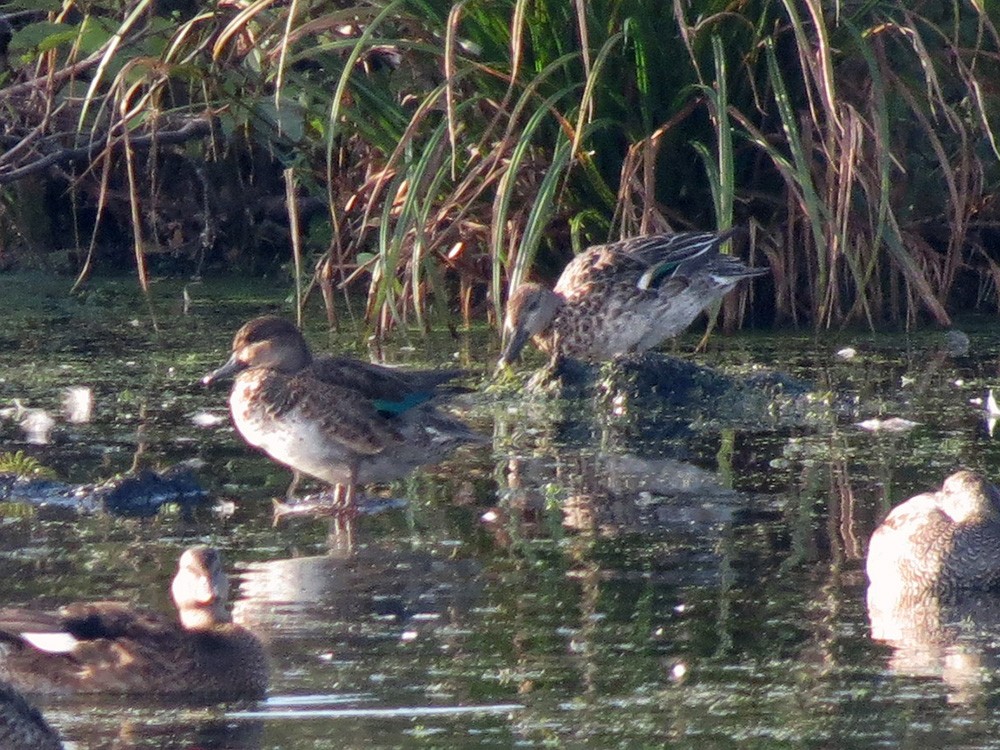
(296, 478)
(349, 490)
(343, 496)
(340, 535)
(338, 495)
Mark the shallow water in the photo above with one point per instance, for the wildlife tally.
(570, 584)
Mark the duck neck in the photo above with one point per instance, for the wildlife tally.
(203, 618)
(297, 362)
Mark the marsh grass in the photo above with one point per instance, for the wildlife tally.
(433, 154)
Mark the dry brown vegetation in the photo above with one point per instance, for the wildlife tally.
(433, 154)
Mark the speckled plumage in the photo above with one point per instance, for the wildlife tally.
(340, 420)
(939, 541)
(109, 647)
(624, 297)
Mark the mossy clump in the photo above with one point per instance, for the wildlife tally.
(24, 466)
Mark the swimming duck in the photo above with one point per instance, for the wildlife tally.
(22, 726)
(939, 541)
(340, 420)
(624, 297)
(109, 647)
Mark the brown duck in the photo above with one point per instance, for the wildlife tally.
(939, 541)
(338, 419)
(113, 648)
(624, 297)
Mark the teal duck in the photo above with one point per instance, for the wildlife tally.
(624, 297)
(110, 647)
(337, 419)
(22, 726)
(939, 541)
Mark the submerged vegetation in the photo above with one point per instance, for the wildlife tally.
(22, 464)
(433, 154)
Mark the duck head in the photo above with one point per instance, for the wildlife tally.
(200, 588)
(267, 341)
(530, 311)
(967, 496)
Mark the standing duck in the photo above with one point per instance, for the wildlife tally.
(109, 647)
(624, 297)
(938, 541)
(340, 420)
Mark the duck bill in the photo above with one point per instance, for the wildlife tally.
(228, 370)
(515, 343)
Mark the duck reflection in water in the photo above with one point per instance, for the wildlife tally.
(146, 725)
(933, 567)
(109, 647)
(337, 419)
(618, 494)
(373, 594)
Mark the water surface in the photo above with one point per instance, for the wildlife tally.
(570, 584)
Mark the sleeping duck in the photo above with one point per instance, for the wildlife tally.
(109, 647)
(939, 541)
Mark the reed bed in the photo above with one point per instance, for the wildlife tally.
(430, 155)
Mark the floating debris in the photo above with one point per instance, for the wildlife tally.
(36, 424)
(207, 419)
(991, 406)
(225, 508)
(78, 404)
(848, 352)
(678, 671)
(990, 409)
(892, 424)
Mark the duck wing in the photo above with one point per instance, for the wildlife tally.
(642, 261)
(660, 249)
(391, 389)
(100, 646)
(110, 620)
(344, 415)
(81, 622)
